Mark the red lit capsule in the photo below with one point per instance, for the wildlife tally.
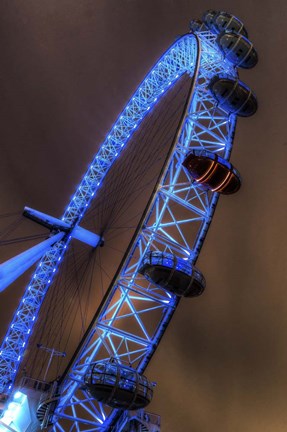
(212, 171)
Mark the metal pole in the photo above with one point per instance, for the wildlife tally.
(49, 363)
(53, 353)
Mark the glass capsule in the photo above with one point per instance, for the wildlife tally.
(233, 96)
(118, 386)
(212, 171)
(172, 273)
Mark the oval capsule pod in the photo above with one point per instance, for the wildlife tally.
(118, 386)
(224, 21)
(172, 273)
(212, 171)
(208, 18)
(233, 96)
(196, 26)
(237, 49)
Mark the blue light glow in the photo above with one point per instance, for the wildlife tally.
(16, 411)
(17, 395)
(172, 66)
(128, 299)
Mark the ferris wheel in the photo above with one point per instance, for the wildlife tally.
(104, 387)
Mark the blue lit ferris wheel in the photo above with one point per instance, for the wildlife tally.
(104, 382)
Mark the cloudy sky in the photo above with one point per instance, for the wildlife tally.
(68, 68)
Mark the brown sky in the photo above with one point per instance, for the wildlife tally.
(68, 68)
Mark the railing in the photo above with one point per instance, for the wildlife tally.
(34, 384)
(142, 415)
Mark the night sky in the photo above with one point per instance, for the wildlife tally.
(67, 70)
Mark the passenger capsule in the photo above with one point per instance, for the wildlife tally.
(172, 273)
(212, 171)
(118, 386)
(233, 96)
(196, 26)
(208, 18)
(237, 49)
(224, 21)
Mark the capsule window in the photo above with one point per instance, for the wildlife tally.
(235, 100)
(224, 92)
(110, 379)
(222, 178)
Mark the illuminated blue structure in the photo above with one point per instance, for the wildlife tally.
(175, 223)
(16, 416)
(172, 65)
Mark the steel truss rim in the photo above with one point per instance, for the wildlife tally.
(53, 258)
(204, 231)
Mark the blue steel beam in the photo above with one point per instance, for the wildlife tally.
(53, 223)
(176, 61)
(134, 315)
(164, 229)
(13, 268)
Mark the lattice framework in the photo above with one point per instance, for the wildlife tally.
(176, 61)
(135, 314)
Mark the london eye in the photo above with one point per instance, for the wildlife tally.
(193, 95)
